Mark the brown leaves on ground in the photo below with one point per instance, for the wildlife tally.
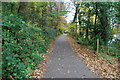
(96, 64)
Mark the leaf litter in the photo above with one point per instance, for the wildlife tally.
(95, 63)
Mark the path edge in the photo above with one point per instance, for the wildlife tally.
(39, 73)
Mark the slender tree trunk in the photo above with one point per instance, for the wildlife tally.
(51, 15)
(76, 17)
(79, 20)
(105, 26)
(95, 23)
(44, 17)
(23, 10)
(96, 13)
(76, 12)
(88, 25)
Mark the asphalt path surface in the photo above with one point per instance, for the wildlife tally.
(64, 63)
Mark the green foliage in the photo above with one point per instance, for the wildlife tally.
(113, 51)
(51, 32)
(82, 41)
(22, 46)
(13, 22)
(107, 58)
(71, 29)
(27, 30)
(96, 21)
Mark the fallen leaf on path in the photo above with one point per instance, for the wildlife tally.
(58, 58)
(68, 71)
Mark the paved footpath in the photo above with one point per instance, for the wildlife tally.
(64, 63)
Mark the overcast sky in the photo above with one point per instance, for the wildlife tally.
(70, 7)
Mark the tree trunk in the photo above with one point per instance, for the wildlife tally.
(23, 10)
(76, 17)
(76, 12)
(104, 24)
(96, 13)
(88, 25)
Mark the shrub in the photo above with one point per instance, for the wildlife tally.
(51, 32)
(22, 46)
(82, 41)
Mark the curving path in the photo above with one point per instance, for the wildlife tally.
(64, 63)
